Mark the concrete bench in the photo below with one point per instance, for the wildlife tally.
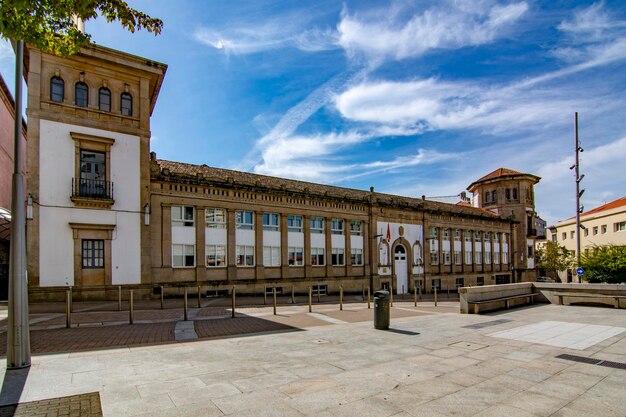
(529, 298)
(601, 298)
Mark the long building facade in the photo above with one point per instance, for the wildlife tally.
(107, 212)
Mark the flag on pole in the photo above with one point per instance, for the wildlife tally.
(388, 233)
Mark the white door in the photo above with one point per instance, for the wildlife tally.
(401, 269)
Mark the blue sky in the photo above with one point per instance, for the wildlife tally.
(413, 98)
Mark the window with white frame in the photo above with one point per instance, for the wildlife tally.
(603, 229)
(215, 218)
(270, 222)
(478, 255)
(446, 234)
(271, 256)
(446, 257)
(336, 226)
(468, 257)
(244, 255)
(586, 232)
(619, 227)
(496, 237)
(296, 256)
(182, 216)
(505, 257)
(434, 232)
(356, 228)
(337, 256)
(496, 256)
(294, 223)
(434, 257)
(356, 256)
(478, 237)
(572, 234)
(457, 235)
(215, 256)
(487, 236)
(317, 225)
(487, 257)
(183, 256)
(563, 235)
(468, 235)
(457, 257)
(595, 230)
(244, 220)
(317, 257)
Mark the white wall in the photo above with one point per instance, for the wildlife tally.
(56, 170)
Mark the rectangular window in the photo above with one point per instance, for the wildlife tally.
(479, 257)
(337, 257)
(92, 181)
(487, 236)
(294, 223)
(436, 283)
(478, 237)
(215, 256)
(480, 281)
(446, 257)
(460, 282)
(507, 194)
(554, 237)
(434, 257)
(468, 236)
(336, 226)
(496, 257)
(317, 257)
(487, 257)
(317, 225)
(93, 253)
(563, 235)
(468, 257)
(619, 227)
(586, 232)
(215, 218)
(530, 251)
(356, 228)
(457, 235)
(296, 256)
(457, 257)
(487, 196)
(434, 232)
(514, 193)
(496, 237)
(244, 220)
(494, 196)
(271, 256)
(270, 222)
(595, 230)
(183, 256)
(182, 216)
(572, 234)
(446, 234)
(505, 257)
(357, 256)
(603, 228)
(244, 255)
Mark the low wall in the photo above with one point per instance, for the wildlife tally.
(486, 292)
(547, 290)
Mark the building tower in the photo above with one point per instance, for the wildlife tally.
(510, 193)
(88, 167)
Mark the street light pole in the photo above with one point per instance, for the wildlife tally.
(579, 193)
(18, 337)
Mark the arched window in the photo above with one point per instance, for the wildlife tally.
(81, 94)
(417, 254)
(104, 99)
(57, 89)
(126, 104)
(383, 253)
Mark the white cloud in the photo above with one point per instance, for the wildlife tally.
(449, 26)
(591, 22)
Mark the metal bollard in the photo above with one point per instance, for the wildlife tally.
(293, 295)
(71, 297)
(131, 308)
(363, 292)
(341, 298)
(199, 296)
(274, 295)
(233, 302)
(185, 305)
(419, 292)
(415, 296)
(368, 297)
(310, 299)
(318, 294)
(68, 309)
(264, 294)
(435, 296)
(402, 292)
(162, 297)
(119, 298)
(448, 293)
(390, 295)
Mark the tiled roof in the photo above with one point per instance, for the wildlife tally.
(500, 172)
(620, 202)
(245, 178)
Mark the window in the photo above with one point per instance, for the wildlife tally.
(81, 94)
(93, 253)
(294, 223)
(296, 256)
(446, 234)
(554, 237)
(244, 255)
(356, 228)
(487, 236)
(572, 234)
(478, 255)
(563, 235)
(478, 237)
(270, 222)
(496, 237)
(104, 99)
(357, 256)
(496, 256)
(436, 283)
(57, 89)
(514, 193)
(468, 257)
(468, 236)
(337, 257)
(457, 235)
(244, 220)
(603, 229)
(182, 216)
(487, 257)
(215, 218)
(480, 281)
(446, 257)
(487, 195)
(317, 257)
(619, 227)
(586, 232)
(457, 257)
(434, 232)
(92, 182)
(215, 255)
(336, 226)
(460, 282)
(505, 257)
(507, 194)
(434, 257)
(126, 104)
(317, 225)
(494, 196)
(183, 256)
(271, 256)
(595, 230)
(530, 251)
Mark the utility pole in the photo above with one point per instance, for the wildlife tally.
(18, 338)
(579, 192)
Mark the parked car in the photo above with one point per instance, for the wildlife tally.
(544, 279)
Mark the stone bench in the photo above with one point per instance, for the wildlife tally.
(475, 305)
(600, 298)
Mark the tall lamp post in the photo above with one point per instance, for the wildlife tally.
(579, 192)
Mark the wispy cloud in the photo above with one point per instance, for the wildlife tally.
(450, 26)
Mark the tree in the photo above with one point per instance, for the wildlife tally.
(605, 264)
(50, 25)
(553, 258)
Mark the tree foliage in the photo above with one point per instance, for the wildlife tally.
(50, 26)
(605, 264)
(553, 258)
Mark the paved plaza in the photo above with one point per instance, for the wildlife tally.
(542, 360)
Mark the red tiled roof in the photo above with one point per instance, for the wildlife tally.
(500, 173)
(608, 206)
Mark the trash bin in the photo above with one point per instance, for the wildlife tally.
(381, 310)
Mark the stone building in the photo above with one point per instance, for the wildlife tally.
(108, 212)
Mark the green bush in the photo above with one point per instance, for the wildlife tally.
(605, 264)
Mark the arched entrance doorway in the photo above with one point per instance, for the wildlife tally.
(400, 266)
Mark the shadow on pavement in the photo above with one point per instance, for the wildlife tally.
(13, 385)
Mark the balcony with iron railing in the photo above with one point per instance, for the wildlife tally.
(92, 193)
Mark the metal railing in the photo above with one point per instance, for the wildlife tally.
(88, 188)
